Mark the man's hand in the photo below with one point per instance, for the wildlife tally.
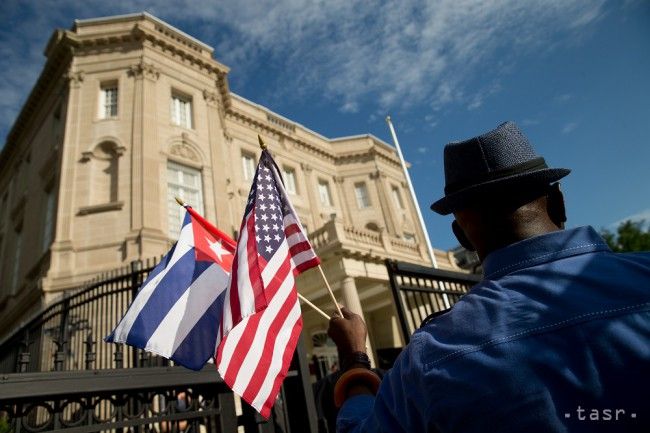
(348, 332)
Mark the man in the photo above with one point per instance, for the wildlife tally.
(556, 338)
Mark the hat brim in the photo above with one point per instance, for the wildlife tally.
(466, 196)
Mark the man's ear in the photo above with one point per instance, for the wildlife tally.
(461, 237)
(555, 205)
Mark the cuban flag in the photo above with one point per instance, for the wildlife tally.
(177, 311)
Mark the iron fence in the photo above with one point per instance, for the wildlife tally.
(59, 375)
(421, 292)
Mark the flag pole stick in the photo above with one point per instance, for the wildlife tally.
(327, 284)
(329, 289)
(432, 256)
(318, 310)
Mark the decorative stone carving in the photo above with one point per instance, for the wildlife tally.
(144, 70)
(185, 151)
(211, 98)
(339, 179)
(306, 167)
(75, 78)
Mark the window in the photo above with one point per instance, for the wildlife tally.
(397, 197)
(108, 100)
(361, 191)
(289, 175)
(324, 193)
(248, 165)
(48, 222)
(104, 170)
(183, 182)
(409, 237)
(181, 110)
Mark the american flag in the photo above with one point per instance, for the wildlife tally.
(261, 315)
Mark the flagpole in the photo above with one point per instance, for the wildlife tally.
(318, 310)
(412, 191)
(327, 284)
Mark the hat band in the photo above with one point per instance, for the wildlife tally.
(531, 165)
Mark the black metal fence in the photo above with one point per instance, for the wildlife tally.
(421, 291)
(59, 375)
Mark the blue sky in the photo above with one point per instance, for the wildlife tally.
(573, 74)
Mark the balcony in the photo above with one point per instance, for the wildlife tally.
(336, 238)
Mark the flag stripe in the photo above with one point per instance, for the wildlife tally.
(183, 246)
(241, 343)
(254, 270)
(187, 311)
(276, 328)
(167, 293)
(271, 385)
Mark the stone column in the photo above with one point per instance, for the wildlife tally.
(340, 191)
(386, 206)
(146, 212)
(352, 301)
(62, 248)
(314, 202)
(220, 158)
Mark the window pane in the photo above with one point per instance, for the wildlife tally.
(361, 192)
(324, 193)
(181, 111)
(248, 165)
(185, 183)
(108, 101)
(290, 180)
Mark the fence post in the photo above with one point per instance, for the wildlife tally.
(390, 267)
(136, 282)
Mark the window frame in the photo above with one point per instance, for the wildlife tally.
(290, 179)
(171, 202)
(361, 204)
(175, 109)
(324, 190)
(104, 112)
(397, 197)
(248, 172)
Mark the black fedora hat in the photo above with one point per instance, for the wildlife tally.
(498, 160)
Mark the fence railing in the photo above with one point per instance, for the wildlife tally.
(68, 334)
(420, 292)
(59, 374)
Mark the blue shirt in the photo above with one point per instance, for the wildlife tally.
(556, 338)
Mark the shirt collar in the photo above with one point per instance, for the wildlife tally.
(541, 249)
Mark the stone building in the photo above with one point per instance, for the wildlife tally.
(129, 112)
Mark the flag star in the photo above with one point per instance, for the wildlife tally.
(265, 169)
(277, 237)
(217, 249)
(263, 206)
(257, 238)
(276, 227)
(264, 217)
(262, 196)
(269, 187)
(268, 177)
(272, 206)
(269, 249)
(267, 238)
(265, 228)
(274, 217)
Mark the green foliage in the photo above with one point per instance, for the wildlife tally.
(4, 425)
(630, 236)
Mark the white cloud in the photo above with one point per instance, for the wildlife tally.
(643, 215)
(565, 97)
(394, 54)
(423, 149)
(569, 127)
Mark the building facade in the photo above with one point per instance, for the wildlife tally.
(130, 112)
